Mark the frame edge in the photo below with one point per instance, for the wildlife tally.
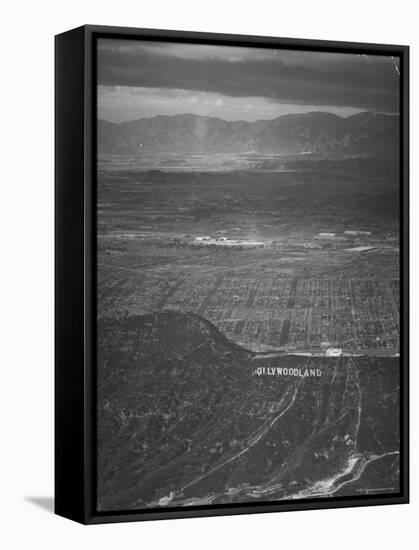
(69, 276)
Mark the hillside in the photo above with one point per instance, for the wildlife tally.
(365, 134)
(183, 419)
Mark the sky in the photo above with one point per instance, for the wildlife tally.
(138, 79)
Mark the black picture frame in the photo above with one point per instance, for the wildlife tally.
(75, 276)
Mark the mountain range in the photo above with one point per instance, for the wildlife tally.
(365, 134)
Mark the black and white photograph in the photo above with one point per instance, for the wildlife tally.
(248, 274)
(209, 263)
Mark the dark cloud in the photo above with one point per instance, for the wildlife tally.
(315, 78)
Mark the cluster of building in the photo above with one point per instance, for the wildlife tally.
(349, 234)
(297, 314)
(225, 241)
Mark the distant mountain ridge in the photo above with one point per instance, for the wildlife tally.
(365, 134)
